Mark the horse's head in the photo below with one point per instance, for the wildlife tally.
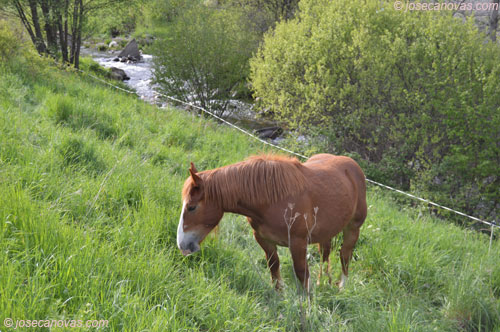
(198, 217)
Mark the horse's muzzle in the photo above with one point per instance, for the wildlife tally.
(188, 242)
(190, 248)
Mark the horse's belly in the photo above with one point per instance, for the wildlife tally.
(277, 235)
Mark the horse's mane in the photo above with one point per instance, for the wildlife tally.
(260, 179)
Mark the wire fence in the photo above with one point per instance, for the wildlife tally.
(492, 224)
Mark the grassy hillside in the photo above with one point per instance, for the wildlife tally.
(90, 182)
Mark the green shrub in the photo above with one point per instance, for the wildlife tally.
(414, 93)
(119, 19)
(204, 55)
(264, 14)
(89, 65)
(9, 42)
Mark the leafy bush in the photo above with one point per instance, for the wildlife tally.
(416, 93)
(264, 14)
(203, 55)
(9, 42)
(87, 64)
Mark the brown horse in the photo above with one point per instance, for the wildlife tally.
(286, 203)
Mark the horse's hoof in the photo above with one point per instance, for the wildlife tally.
(341, 283)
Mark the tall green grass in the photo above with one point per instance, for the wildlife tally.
(90, 183)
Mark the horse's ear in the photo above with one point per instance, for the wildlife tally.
(192, 168)
(194, 176)
(196, 191)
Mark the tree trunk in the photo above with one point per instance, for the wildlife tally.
(74, 32)
(25, 21)
(39, 42)
(493, 24)
(59, 9)
(78, 37)
(66, 9)
(62, 39)
(49, 24)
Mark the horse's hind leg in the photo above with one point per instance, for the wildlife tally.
(272, 258)
(324, 249)
(351, 234)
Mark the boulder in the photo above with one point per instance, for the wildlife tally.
(118, 74)
(113, 44)
(130, 52)
(269, 132)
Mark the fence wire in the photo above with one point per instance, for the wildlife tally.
(491, 224)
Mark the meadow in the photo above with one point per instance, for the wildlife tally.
(90, 182)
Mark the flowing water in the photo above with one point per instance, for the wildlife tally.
(141, 76)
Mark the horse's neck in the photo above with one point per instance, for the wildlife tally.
(245, 210)
(220, 191)
(231, 197)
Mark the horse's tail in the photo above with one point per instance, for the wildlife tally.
(358, 182)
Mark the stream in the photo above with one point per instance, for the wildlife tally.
(141, 76)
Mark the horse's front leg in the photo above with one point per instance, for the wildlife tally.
(272, 258)
(298, 248)
(325, 249)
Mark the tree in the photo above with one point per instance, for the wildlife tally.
(415, 94)
(204, 54)
(55, 25)
(493, 22)
(263, 13)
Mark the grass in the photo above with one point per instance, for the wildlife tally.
(90, 182)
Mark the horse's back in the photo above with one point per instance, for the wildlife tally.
(338, 177)
(336, 164)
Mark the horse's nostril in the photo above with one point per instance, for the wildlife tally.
(192, 247)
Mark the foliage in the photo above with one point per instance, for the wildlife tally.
(413, 93)
(264, 14)
(203, 55)
(9, 42)
(56, 26)
(120, 19)
(166, 11)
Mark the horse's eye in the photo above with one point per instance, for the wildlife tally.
(191, 208)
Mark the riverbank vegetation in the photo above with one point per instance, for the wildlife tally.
(203, 54)
(409, 95)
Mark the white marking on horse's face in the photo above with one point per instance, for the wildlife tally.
(180, 228)
(343, 281)
(188, 242)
